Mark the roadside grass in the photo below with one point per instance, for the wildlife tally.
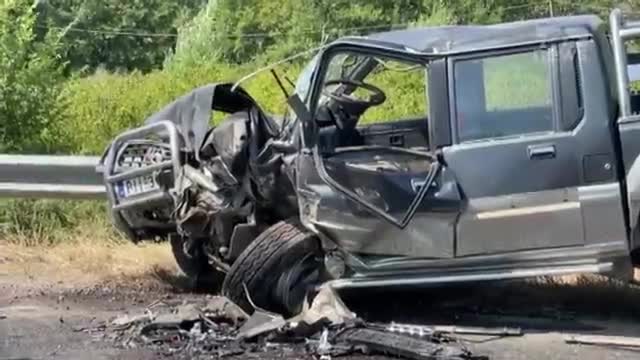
(73, 242)
(85, 262)
(51, 222)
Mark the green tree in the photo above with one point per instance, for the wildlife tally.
(29, 80)
(115, 34)
(241, 31)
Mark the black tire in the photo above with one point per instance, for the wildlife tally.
(260, 266)
(195, 266)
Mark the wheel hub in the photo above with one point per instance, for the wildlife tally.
(293, 285)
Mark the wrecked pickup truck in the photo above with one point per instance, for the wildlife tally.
(409, 157)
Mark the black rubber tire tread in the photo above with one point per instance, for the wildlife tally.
(260, 262)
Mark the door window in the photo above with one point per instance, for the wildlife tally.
(503, 96)
(402, 82)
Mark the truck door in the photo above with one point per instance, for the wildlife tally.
(376, 189)
(534, 161)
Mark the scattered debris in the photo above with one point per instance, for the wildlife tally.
(260, 323)
(219, 306)
(421, 330)
(126, 321)
(405, 346)
(183, 313)
(326, 305)
(623, 341)
(324, 346)
(325, 329)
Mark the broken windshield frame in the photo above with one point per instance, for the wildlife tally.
(302, 90)
(273, 65)
(304, 81)
(302, 86)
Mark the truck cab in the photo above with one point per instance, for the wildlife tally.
(413, 157)
(526, 161)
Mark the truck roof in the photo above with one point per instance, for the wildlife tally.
(468, 38)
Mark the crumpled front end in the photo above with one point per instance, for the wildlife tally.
(178, 174)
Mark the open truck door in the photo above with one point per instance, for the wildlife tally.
(371, 181)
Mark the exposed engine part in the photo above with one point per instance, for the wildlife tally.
(200, 179)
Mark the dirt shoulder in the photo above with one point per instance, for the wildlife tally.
(48, 294)
(50, 302)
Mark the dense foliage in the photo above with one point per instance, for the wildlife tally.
(105, 33)
(73, 73)
(30, 79)
(116, 62)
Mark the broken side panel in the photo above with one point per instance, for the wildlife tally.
(429, 233)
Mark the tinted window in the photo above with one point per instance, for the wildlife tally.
(503, 95)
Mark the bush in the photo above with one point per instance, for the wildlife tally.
(50, 222)
(30, 79)
(100, 106)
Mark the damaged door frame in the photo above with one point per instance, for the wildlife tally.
(423, 189)
(310, 129)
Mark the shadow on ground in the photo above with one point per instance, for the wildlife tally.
(543, 305)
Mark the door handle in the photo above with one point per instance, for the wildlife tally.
(418, 183)
(396, 140)
(539, 152)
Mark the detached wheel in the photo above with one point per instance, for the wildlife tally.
(276, 269)
(194, 264)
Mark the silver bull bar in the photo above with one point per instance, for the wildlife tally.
(165, 130)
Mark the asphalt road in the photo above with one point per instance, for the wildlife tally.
(51, 322)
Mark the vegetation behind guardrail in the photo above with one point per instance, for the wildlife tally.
(53, 101)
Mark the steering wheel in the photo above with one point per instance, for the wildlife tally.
(377, 95)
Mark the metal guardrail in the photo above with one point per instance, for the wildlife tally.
(50, 176)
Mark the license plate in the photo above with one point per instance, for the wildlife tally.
(137, 186)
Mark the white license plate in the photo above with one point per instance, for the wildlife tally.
(136, 186)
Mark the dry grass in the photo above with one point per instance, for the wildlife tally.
(31, 222)
(74, 243)
(85, 262)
